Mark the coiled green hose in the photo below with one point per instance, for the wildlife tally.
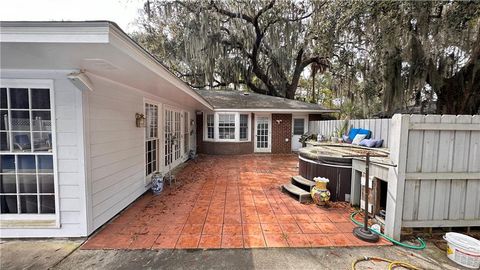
(420, 247)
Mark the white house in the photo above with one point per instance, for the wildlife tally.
(71, 153)
(72, 156)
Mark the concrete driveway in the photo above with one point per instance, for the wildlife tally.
(58, 255)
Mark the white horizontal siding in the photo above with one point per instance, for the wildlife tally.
(68, 104)
(116, 147)
(112, 179)
(103, 160)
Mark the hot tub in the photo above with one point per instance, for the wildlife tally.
(326, 160)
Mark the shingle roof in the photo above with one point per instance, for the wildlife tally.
(247, 100)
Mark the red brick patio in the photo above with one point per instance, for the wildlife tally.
(228, 202)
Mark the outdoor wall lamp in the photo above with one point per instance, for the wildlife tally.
(278, 121)
(140, 120)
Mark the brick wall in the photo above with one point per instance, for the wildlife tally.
(280, 132)
(227, 148)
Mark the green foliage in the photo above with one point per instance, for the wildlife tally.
(382, 56)
(264, 46)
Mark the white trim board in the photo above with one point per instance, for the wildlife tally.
(442, 175)
(287, 111)
(269, 148)
(40, 221)
(444, 126)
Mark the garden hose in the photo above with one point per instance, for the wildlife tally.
(391, 264)
(420, 247)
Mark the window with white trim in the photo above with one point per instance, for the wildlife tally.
(226, 126)
(27, 178)
(173, 136)
(210, 126)
(186, 132)
(298, 126)
(177, 136)
(243, 126)
(152, 139)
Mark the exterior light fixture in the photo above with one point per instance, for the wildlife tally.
(140, 120)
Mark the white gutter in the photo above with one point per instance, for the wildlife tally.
(276, 110)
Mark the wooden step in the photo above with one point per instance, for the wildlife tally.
(303, 183)
(303, 196)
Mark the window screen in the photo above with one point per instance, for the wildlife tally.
(298, 126)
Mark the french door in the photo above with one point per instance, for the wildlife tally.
(152, 139)
(263, 140)
(172, 138)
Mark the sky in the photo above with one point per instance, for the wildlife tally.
(122, 12)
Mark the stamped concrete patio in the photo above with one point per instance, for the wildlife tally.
(228, 202)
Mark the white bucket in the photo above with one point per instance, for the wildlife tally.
(463, 249)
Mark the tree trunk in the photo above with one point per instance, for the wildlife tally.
(313, 88)
(460, 94)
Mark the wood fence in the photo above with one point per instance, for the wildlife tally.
(380, 127)
(437, 179)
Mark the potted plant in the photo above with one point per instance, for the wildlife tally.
(157, 183)
(334, 137)
(307, 137)
(320, 194)
(337, 136)
(303, 139)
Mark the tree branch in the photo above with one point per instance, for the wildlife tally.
(201, 86)
(231, 14)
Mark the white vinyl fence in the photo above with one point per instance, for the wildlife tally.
(437, 179)
(380, 127)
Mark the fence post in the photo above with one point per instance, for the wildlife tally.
(396, 175)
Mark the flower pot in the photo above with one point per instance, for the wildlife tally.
(320, 194)
(157, 183)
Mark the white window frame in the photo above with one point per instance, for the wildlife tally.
(159, 138)
(235, 128)
(205, 127)
(248, 127)
(216, 132)
(181, 158)
(36, 220)
(270, 131)
(186, 133)
(305, 124)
